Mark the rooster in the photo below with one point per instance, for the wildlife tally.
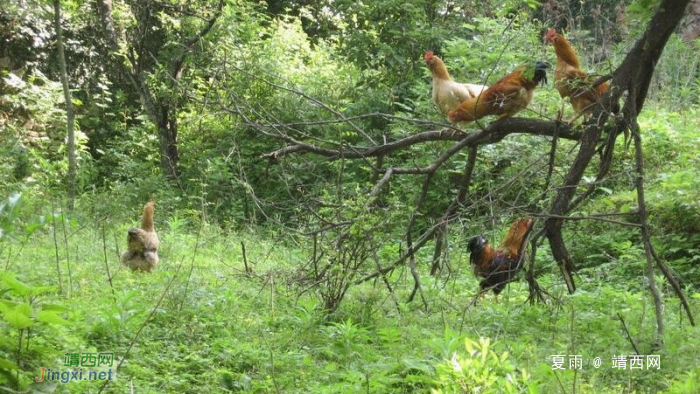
(498, 267)
(571, 81)
(506, 97)
(448, 94)
(142, 243)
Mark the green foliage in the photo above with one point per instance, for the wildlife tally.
(251, 332)
(644, 9)
(23, 311)
(687, 384)
(677, 81)
(479, 368)
(300, 322)
(118, 319)
(24, 26)
(493, 48)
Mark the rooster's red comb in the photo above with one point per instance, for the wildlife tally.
(428, 55)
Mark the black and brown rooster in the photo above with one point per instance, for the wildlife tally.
(499, 266)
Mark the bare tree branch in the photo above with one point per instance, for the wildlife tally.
(492, 134)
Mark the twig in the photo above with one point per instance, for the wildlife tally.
(104, 250)
(272, 363)
(409, 240)
(189, 274)
(386, 283)
(629, 337)
(473, 302)
(55, 244)
(573, 346)
(676, 286)
(311, 99)
(67, 249)
(589, 217)
(639, 159)
(437, 252)
(561, 385)
(248, 270)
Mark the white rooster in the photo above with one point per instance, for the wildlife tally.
(448, 94)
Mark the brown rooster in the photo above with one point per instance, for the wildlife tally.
(506, 97)
(498, 267)
(142, 253)
(571, 81)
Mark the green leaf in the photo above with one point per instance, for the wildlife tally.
(25, 309)
(17, 319)
(54, 307)
(51, 318)
(7, 364)
(13, 284)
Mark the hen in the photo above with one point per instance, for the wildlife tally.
(448, 94)
(571, 81)
(142, 252)
(506, 97)
(498, 267)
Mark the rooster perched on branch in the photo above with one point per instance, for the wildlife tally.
(448, 94)
(142, 253)
(571, 81)
(506, 97)
(498, 267)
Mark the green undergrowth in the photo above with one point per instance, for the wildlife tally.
(219, 329)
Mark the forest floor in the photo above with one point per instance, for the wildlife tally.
(217, 327)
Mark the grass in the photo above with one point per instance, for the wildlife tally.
(219, 329)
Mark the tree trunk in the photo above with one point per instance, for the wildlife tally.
(160, 113)
(167, 133)
(561, 204)
(105, 10)
(161, 110)
(636, 70)
(72, 168)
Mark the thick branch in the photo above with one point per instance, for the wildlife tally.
(637, 69)
(493, 133)
(562, 200)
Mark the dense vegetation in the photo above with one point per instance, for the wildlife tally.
(274, 264)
